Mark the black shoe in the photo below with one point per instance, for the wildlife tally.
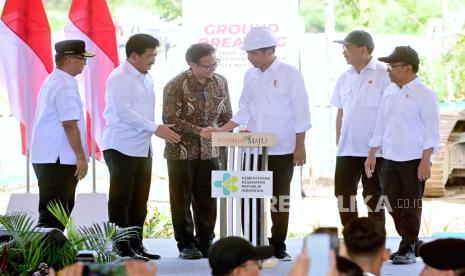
(142, 251)
(282, 255)
(124, 250)
(190, 252)
(204, 247)
(406, 257)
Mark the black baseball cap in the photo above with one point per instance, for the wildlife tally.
(72, 47)
(405, 54)
(359, 38)
(444, 254)
(230, 252)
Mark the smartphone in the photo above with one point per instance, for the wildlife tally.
(318, 248)
(334, 236)
(104, 269)
(86, 256)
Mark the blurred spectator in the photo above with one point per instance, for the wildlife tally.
(365, 241)
(443, 257)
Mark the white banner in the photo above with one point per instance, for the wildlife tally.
(242, 184)
(224, 24)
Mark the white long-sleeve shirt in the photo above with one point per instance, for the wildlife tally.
(275, 101)
(359, 96)
(59, 101)
(129, 111)
(407, 122)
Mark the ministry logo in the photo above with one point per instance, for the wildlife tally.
(228, 183)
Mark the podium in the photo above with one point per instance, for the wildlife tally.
(245, 185)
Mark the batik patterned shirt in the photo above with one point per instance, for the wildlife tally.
(191, 106)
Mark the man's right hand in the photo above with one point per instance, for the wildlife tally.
(81, 168)
(165, 132)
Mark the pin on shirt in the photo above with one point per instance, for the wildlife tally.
(370, 82)
(275, 83)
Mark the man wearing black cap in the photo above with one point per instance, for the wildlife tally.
(443, 257)
(407, 131)
(58, 150)
(357, 96)
(236, 256)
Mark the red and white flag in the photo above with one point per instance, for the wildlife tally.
(25, 59)
(90, 20)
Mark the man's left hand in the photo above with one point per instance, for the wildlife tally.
(424, 170)
(299, 156)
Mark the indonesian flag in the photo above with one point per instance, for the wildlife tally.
(25, 59)
(90, 20)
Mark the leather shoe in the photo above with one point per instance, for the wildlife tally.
(190, 252)
(123, 249)
(142, 251)
(417, 251)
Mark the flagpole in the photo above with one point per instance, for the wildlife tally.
(27, 171)
(92, 132)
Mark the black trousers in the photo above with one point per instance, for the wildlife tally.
(129, 188)
(349, 170)
(283, 170)
(56, 183)
(404, 192)
(190, 184)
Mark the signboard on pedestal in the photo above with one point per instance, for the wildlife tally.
(242, 184)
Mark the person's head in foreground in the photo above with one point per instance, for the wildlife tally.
(365, 241)
(443, 257)
(236, 256)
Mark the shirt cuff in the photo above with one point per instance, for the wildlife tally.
(430, 144)
(375, 142)
(152, 127)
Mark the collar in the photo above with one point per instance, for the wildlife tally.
(412, 84)
(190, 75)
(132, 70)
(275, 65)
(67, 77)
(368, 274)
(370, 65)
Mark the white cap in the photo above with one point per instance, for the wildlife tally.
(259, 37)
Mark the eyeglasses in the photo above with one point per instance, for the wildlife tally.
(349, 47)
(392, 66)
(210, 67)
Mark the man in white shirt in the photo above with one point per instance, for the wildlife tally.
(274, 100)
(407, 132)
(129, 114)
(357, 96)
(58, 150)
(365, 242)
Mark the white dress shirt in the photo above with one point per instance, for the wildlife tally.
(275, 101)
(129, 111)
(59, 101)
(408, 122)
(359, 95)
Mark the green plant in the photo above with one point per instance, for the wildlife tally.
(29, 248)
(158, 224)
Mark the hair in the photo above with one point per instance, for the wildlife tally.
(415, 67)
(138, 43)
(364, 236)
(197, 51)
(370, 50)
(59, 59)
